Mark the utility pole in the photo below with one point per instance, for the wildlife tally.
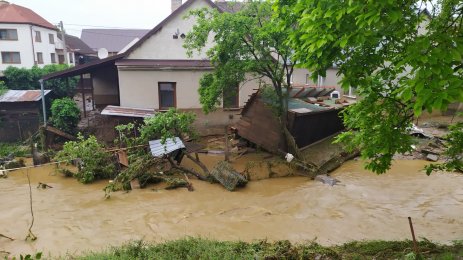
(63, 38)
(44, 111)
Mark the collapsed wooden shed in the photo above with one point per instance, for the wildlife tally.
(312, 116)
(20, 114)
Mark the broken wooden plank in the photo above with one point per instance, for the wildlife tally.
(58, 132)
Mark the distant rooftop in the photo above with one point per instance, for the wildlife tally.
(229, 6)
(11, 13)
(77, 45)
(113, 40)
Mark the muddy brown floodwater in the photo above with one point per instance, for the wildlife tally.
(72, 217)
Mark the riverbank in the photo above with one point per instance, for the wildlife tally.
(196, 248)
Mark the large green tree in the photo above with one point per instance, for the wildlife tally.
(247, 43)
(402, 59)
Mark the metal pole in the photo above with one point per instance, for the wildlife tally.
(44, 111)
(63, 36)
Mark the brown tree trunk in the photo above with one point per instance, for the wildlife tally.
(190, 171)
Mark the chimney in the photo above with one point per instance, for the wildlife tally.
(175, 4)
(2, 2)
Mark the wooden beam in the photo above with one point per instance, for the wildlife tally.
(93, 91)
(56, 131)
(83, 94)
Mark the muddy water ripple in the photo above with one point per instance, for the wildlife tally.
(72, 217)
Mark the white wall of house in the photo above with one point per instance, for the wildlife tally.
(161, 45)
(303, 77)
(28, 47)
(144, 87)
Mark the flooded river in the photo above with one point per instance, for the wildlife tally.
(72, 217)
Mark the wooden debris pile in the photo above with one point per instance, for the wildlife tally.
(224, 173)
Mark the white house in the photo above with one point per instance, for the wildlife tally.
(27, 39)
(156, 74)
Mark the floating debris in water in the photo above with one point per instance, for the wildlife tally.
(325, 179)
(224, 173)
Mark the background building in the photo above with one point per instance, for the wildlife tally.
(27, 39)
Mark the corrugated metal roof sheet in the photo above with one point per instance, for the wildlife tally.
(127, 111)
(22, 95)
(158, 149)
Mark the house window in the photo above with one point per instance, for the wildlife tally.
(321, 81)
(167, 94)
(231, 97)
(39, 58)
(352, 92)
(53, 57)
(11, 57)
(307, 79)
(8, 34)
(38, 36)
(60, 59)
(51, 38)
(71, 58)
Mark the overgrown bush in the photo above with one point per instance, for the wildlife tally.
(95, 162)
(65, 114)
(14, 149)
(3, 88)
(22, 78)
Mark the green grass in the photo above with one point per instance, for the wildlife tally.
(17, 150)
(197, 248)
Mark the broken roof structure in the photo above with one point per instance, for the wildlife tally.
(159, 149)
(311, 117)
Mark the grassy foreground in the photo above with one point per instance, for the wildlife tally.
(197, 248)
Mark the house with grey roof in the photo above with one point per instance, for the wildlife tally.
(82, 53)
(149, 77)
(113, 40)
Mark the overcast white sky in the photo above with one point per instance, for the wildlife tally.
(139, 14)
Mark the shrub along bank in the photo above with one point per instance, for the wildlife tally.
(197, 248)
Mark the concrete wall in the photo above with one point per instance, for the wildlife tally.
(162, 46)
(28, 47)
(139, 88)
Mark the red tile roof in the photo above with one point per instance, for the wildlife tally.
(11, 13)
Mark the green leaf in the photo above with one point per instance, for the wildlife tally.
(343, 42)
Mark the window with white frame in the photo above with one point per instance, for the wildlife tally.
(11, 57)
(8, 34)
(39, 58)
(38, 36)
(320, 81)
(167, 95)
(53, 57)
(51, 38)
(231, 97)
